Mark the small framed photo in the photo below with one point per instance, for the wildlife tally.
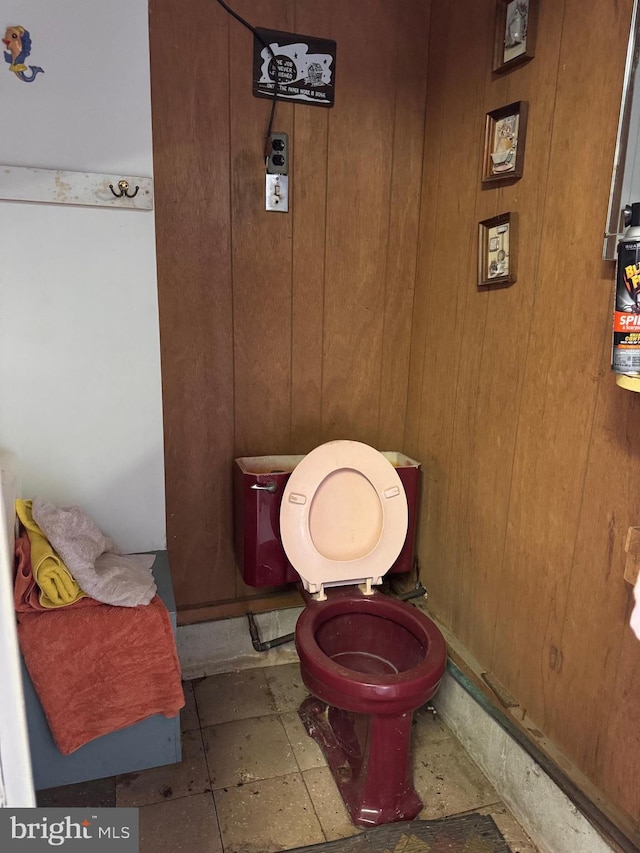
(504, 138)
(497, 243)
(515, 33)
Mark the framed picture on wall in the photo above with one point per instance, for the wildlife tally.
(515, 34)
(497, 250)
(505, 134)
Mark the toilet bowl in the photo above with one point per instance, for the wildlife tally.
(368, 660)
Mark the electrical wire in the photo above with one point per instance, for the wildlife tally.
(252, 29)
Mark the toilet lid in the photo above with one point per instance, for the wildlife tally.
(343, 516)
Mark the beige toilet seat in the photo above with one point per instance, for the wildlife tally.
(343, 516)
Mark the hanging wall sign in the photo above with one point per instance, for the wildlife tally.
(18, 43)
(302, 67)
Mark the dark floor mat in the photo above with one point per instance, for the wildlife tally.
(472, 833)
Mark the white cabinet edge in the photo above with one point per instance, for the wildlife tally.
(55, 186)
(16, 778)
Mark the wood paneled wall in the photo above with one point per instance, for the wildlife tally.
(279, 332)
(357, 315)
(531, 453)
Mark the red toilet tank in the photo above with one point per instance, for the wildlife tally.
(258, 484)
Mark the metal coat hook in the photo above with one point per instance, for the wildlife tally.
(123, 186)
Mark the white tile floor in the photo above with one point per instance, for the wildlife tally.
(251, 781)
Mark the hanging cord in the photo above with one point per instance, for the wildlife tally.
(267, 139)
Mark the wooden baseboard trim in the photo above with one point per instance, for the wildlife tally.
(239, 607)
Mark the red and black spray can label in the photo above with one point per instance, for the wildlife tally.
(625, 356)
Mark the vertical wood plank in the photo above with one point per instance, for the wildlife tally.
(359, 180)
(458, 546)
(261, 252)
(444, 298)
(191, 153)
(412, 38)
(431, 163)
(434, 139)
(309, 234)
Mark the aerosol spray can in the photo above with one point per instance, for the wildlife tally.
(625, 353)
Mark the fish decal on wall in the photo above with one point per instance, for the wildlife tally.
(18, 43)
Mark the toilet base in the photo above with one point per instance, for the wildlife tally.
(369, 758)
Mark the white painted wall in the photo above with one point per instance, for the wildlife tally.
(80, 393)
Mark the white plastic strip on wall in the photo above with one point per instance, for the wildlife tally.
(56, 186)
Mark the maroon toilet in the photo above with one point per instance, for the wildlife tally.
(368, 659)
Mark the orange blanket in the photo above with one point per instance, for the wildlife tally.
(100, 668)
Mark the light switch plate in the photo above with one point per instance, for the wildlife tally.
(277, 193)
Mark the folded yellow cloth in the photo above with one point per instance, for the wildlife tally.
(57, 585)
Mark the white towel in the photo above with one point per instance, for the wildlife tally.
(92, 559)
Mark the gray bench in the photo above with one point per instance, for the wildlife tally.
(150, 743)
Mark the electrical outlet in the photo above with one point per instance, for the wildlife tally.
(278, 157)
(277, 193)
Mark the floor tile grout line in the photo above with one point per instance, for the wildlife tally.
(293, 748)
(478, 809)
(313, 805)
(195, 702)
(211, 789)
(227, 788)
(171, 799)
(206, 763)
(244, 719)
